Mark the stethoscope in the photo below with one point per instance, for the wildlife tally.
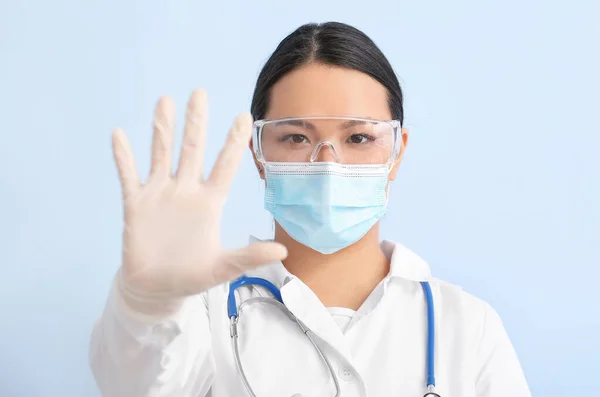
(233, 312)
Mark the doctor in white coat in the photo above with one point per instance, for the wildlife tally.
(325, 308)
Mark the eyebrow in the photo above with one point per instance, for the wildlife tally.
(297, 123)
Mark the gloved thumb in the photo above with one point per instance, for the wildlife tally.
(236, 262)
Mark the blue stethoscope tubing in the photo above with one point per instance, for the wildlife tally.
(232, 310)
(232, 313)
(430, 340)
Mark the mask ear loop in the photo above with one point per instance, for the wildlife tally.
(317, 149)
(390, 165)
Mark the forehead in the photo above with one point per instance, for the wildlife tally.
(317, 90)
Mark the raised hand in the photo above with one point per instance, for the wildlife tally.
(171, 238)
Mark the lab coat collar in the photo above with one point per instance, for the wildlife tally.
(305, 305)
(404, 264)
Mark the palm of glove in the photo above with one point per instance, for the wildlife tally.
(171, 237)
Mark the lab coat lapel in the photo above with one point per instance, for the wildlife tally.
(305, 305)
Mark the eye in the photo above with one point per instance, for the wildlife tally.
(295, 138)
(360, 138)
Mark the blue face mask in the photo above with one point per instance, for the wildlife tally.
(326, 206)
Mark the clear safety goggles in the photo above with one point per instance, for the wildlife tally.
(344, 140)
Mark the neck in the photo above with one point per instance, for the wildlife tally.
(342, 279)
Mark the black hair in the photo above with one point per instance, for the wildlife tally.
(330, 43)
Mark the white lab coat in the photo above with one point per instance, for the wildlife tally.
(380, 354)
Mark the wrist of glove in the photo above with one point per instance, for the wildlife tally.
(151, 305)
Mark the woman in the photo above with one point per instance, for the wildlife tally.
(359, 317)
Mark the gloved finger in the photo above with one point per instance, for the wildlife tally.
(194, 138)
(162, 140)
(229, 159)
(234, 263)
(128, 173)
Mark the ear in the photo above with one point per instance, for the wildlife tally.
(259, 168)
(394, 171)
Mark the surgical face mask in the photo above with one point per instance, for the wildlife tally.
(326, 206)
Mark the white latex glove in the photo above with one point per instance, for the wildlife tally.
(171, 239)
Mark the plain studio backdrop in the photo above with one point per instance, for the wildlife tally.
(499, 189)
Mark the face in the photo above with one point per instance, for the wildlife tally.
(321, 90)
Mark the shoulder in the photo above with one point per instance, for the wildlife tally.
(454, 297)
(450, 300)
(461, 310)
(468, 325)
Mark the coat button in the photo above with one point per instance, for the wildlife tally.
(346, 374)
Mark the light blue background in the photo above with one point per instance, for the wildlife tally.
(499, 190)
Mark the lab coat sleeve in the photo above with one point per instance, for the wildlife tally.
(136, 356)
(499, 371)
